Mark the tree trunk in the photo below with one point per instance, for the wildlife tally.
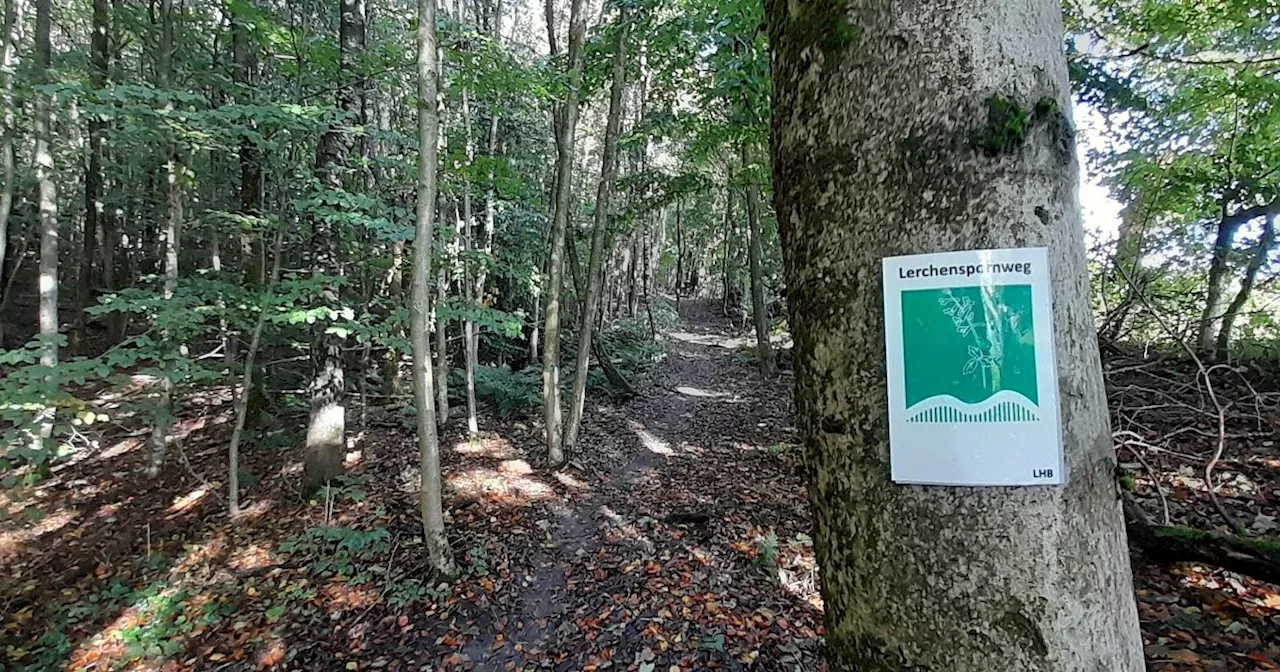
(432, 501)
(1215, 301)
(175, 179)
(599, 231)
(48, 206)
(1127, 265)
(755, 254)
(1034, 579)
(470, 331)
(728, 238)
(245, 399)
(326, 431)
(1259, 259)
(564, 182)
(13, 22)
(94, 211)
(679, 283)
(442, 275)
(244, 66)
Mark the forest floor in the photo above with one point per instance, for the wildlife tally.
(675, 541)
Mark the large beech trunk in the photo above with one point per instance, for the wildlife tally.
(883, 145)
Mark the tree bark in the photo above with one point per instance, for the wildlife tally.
(13, 21)
(1214, 305)
(245, 399)
(1127, 264)
(94, 211)
(755, 258)
(243, 71)
(679, 283)
(442, 275)
(466, 229)
(1259, 259)
(175, 179)
(326, 431)
(728, 240)
(599, 231)
(1034, 579)
(564, 183)
(48, 208)
(432, 501)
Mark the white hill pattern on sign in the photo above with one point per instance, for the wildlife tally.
(1002, 407)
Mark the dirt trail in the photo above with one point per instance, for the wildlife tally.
(679, 484)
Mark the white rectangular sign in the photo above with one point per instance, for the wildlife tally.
(973, 385)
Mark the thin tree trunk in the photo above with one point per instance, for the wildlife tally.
(564, 181)
(1259, 259)
(470, 332)
(679, 281)
(326, 431)
(395, 294)
(1127, 265)
(175, 179)
(1034, 579)
(432, 501)
(48, 206)
(442, 276)
(244, 66)
(13, 22)
(245, 398)
(755, 254)
(94, 211)
(599, 231)
(442, 338)
(728, 237)
(1214, 305)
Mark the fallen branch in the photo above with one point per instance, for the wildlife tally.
(1252, 557)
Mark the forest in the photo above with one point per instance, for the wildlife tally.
(505, 335)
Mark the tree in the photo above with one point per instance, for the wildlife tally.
(755, 252)
(326, 432)
(94, 209)
(48, 204)
(13, 11)
(599, 230)
(866, 166)
(567, 121)
(420, 319)
(175, 179)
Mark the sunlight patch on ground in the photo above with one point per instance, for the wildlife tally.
(188, 501)
(12, 541)
(179, 597)
(256, 510)
(569, 481)
(251, 558)
(625, 529)
(651, 442)
(695, 392)
(512, 484)
(120, 448)
(495, 447)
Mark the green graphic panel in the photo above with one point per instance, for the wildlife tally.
(969, 342)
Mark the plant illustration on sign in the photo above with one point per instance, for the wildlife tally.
(983, 358)
(965, 345)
